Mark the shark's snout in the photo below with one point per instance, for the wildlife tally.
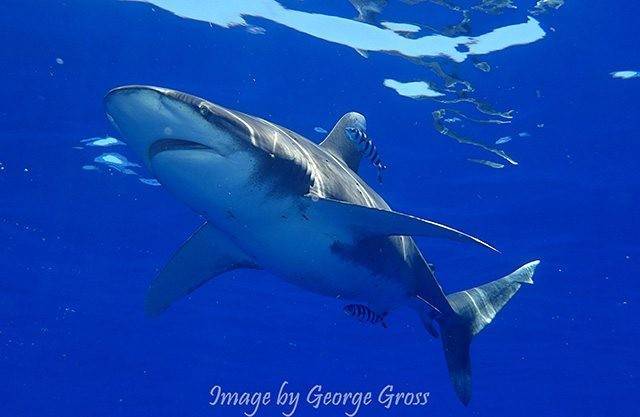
(153, 120)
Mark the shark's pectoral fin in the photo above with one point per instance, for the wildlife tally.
(369, 221)
(206, 254)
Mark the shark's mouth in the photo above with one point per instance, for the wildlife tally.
(164, 145)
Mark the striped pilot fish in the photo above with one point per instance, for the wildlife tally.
(364, 314)
(366, 146)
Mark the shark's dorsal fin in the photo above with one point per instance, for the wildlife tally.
(370, 221)
(206, 254)
(340, 146)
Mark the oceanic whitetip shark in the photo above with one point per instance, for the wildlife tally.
(274, 200)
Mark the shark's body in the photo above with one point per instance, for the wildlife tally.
(275, 200)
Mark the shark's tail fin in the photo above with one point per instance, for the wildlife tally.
(475, 309)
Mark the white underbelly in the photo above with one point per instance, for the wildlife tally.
(300, 252)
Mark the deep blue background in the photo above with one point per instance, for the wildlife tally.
(79, 248)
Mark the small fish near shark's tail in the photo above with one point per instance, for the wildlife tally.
(474, 309)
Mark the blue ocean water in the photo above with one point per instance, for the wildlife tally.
(80, 246)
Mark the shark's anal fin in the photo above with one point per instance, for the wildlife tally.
(369, 221)
(340, 146)
(206, 254)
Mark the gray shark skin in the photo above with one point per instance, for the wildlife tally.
(274, 200)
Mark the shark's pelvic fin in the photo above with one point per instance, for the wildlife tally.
(206, 254)
(338, 144)
(370, 221)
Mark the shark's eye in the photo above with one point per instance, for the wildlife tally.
(204, 110)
